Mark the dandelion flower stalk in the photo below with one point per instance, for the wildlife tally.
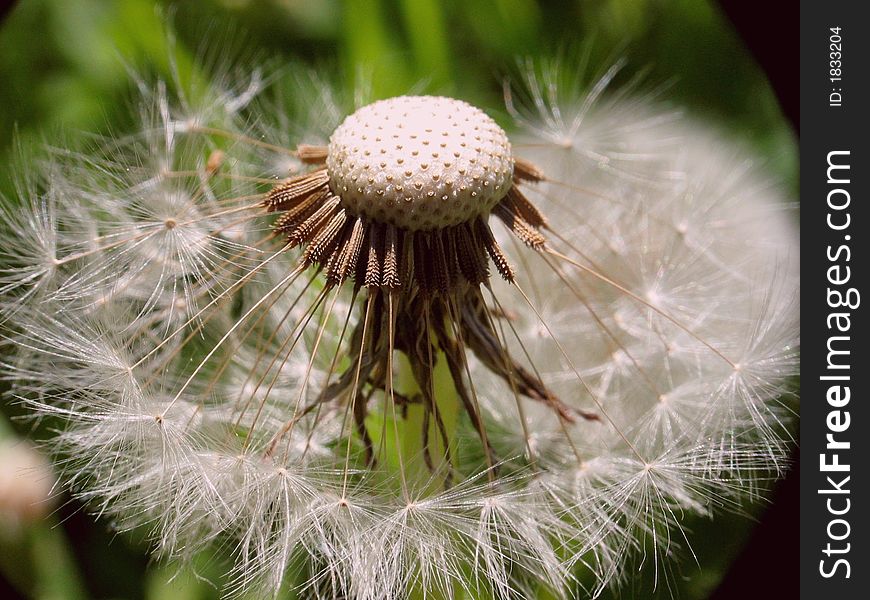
(414, 356)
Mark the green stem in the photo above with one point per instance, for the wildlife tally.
(55, 570)
(411, 431)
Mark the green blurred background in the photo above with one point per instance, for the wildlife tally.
(64, 68)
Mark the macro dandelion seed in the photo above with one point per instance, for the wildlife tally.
(420, 355)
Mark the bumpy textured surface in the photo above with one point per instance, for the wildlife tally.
(420, 162)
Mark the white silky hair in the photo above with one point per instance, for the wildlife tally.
(140, 300)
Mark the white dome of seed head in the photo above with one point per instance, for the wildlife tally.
(420, 162)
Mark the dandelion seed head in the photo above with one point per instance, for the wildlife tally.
(258, 332)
